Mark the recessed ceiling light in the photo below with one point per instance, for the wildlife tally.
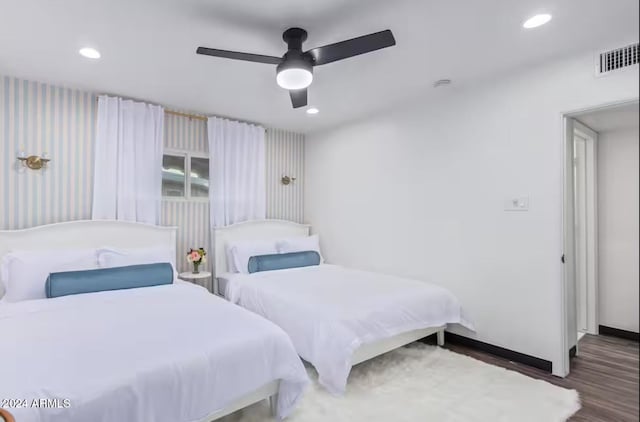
(313, 110)
(89, 53)
(536, 21)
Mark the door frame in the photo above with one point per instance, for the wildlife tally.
(568, 328)
(591, 214)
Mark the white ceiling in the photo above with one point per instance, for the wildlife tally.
(148, 48)
(622, 117)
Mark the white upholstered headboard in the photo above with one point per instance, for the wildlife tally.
(86, 234)
(253, 230)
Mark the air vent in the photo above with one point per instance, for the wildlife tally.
(619, 58)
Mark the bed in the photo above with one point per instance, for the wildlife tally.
(336, 317)
(173, 352)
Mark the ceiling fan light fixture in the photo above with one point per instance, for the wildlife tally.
(294, 73)
(294, 78)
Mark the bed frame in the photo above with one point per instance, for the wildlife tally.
(117, 234)
(279, 229)
(85, 234)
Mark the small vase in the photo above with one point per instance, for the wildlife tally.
(195, 268)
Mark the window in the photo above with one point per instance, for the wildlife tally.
(199, 177)
(185, 175)
(173, 176)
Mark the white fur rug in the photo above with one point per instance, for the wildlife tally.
(423, 383)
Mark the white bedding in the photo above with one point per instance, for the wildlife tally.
(164, 353)
(330, 311)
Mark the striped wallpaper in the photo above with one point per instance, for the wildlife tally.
(184, 133)
(192, 220)
(285, 156)
(40, 118)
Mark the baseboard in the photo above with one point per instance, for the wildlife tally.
(616, 332)
(543, 364)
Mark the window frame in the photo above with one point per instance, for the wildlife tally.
(187, 155)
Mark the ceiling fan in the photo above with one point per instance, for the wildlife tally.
(294, 70)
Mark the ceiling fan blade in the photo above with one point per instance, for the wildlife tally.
(353, 47)
(298, 97)
(248, 57)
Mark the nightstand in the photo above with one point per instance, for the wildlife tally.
(203, 278)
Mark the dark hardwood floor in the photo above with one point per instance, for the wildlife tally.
(605, 373)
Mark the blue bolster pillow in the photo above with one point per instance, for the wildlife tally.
(117, 278)
(283, 260)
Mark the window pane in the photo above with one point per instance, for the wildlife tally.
(199, 177)
(173, 180)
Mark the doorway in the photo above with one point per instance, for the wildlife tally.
(600, 224)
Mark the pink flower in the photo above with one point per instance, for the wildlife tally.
(195, 256)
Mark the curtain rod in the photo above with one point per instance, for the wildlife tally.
(177, 113)
(191, 116)
(197, 116)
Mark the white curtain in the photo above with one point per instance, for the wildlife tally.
(237, 172)
(128, 161)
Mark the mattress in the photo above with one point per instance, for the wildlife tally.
(163, 353)
(330, 311)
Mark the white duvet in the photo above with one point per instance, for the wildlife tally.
(166, 353)
(330, 311)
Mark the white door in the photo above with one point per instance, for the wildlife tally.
(571, 313)
(580, 229)
(585, 227)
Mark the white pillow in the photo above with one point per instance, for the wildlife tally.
(231, 266)
(24, 273)
(241, 252)
(300, 244)
(111, 257)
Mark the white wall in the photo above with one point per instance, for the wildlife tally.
(618, 229)
(420, 191)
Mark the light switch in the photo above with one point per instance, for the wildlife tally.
(516, 203)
